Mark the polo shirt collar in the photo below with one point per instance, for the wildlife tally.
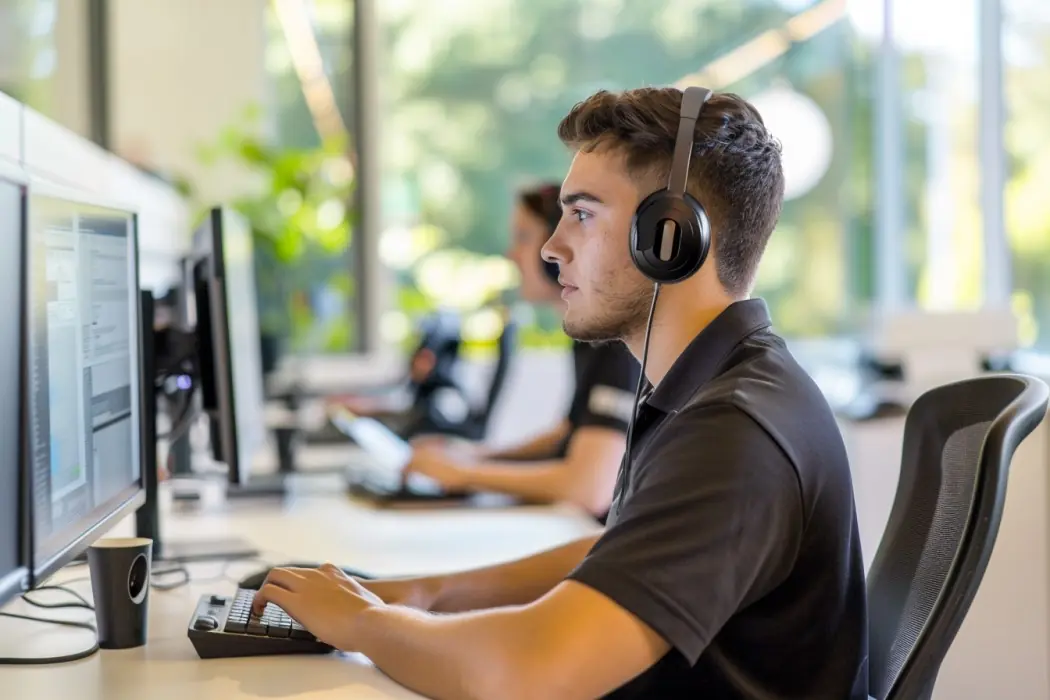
(703, 357)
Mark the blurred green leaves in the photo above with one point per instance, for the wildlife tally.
(301, 217)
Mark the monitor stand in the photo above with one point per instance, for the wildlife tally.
(259, 486)
(272, 485)
(217, 549)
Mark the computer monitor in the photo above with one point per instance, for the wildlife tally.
(81, 399)
(230, 360)
(13, 573)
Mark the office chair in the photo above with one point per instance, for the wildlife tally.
(958, 443)
(477, 425)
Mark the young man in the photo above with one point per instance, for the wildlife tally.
(731, 567)
(577, 459)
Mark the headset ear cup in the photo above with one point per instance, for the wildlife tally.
(694, 236)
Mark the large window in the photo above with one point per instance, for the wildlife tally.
(306, 289)
(28, 52)
(940, 176)
(1026, 55)
(881, 125)
(473, 93)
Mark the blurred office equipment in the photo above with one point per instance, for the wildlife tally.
(170, 353)
(443, 406)
(439, 401)
(13, 571)
(912, 351)
(229, 360)
(959, 441)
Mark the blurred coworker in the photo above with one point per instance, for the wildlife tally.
(578, 458)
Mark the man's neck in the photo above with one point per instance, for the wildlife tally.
(673, 329)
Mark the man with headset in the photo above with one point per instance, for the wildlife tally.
(730, 566)
(576, 459)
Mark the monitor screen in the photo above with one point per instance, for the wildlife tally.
(12, 564)
(83, 392)
(228, 333)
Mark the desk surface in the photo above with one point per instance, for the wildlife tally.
(318, 522)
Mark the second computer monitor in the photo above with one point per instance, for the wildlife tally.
(227, 324)
(82, 399)
(12, 531)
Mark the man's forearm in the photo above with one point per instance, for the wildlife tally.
(514, 583)
(456, 657)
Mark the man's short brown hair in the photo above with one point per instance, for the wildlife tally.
(735, 171)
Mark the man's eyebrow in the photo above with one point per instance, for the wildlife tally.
(570, 198)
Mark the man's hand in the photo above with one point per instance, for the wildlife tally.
(324, 600)
(444, 465)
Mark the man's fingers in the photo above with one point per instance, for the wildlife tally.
(269, 593)
(290, 579)
(332, 570)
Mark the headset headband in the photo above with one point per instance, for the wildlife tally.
(693, 99)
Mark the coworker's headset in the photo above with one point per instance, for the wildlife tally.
(670, 231)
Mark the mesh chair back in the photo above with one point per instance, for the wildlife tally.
(958, 443)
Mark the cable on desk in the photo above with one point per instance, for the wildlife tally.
(186, 576)
(39, 660)
(181, 570)
(81, 600)
(181, 425)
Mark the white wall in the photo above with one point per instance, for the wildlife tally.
(10, 129)
(180, 71)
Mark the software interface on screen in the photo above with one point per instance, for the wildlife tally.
(245, 357)
(10, 313)
(83, 368)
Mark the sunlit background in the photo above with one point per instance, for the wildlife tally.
(893, 175)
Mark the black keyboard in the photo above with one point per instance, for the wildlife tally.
(225, 626)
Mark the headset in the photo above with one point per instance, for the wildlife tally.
(670, 240)
(670, 231)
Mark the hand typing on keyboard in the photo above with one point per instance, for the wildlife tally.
(324, 601)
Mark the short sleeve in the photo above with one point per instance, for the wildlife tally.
(713, 523)
(605, 393)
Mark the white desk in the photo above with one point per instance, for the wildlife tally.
(317, 523)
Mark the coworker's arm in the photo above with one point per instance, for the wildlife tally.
(541, 446)
(571, 643)
(512, 583)
(586, 476)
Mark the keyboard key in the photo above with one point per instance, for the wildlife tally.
(300, 633)
(256, 626)
(236, 626)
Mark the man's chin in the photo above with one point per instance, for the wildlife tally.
(588, 333)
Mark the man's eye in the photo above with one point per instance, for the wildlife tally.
(580, 214)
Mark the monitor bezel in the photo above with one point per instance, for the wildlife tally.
(208, 248)
(17, 580)
(43, 570)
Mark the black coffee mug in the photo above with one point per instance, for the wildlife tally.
(120, 574)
